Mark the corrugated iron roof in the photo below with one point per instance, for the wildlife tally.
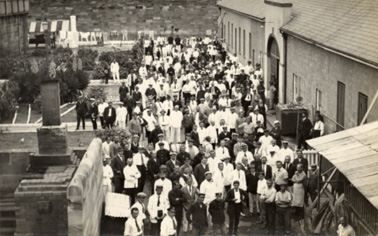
(346, 26)
(354, 152)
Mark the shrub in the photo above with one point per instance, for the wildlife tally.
(8, 99)
(88, 57)
(125, 60)
(97, 92)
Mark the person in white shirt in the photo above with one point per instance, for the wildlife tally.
(101, 108)
(318, 129)
(166, 183)
(169, 224)
(131, 174)
(139, 204)
(143, 71)
(202, 133)
(211, 132)
(114, 68)
(268, 196)
(106, 148)
(265, 140)
(273, 155)
(261, 186)
(228, 170)
(158, 205)
(213, 161)
(219, 178)
(222, 151)
(208, 187)
(239, 175)
(256, 116)
(214, 117)
(121, 112)
(176, 123)
(134, 225)
(107, 175)
(187, 173)
(232, 120)
(148, 59)
(168, 105)
(244, 153)
(286, 151)
(151, 123)
(164, 123)
(161, 140)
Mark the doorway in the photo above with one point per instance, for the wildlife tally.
(273, 67)
(340, 106)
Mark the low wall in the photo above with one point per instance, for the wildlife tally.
(13, 164)
(85, 195)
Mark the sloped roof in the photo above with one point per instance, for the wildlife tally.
(346, 26)
(254, 8)
(354, 152)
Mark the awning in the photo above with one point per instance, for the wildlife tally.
(354, 152)
(54, 26)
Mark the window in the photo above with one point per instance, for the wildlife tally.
(296, 87)
(362, 107)
(250, 46)
(340, 116)
(244, 43)
(253, 57)
(224, 32)
(318, 101)
(228, 33)
(239, 41)
(232, 37)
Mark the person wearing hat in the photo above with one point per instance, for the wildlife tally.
(140, 160)
(134, 146)
(265, 140)
(235, 198)
(258, 72)
(176, 200)
(189, 191)
(137, 95)
(169, 225)
(276, 131)
(154, 135)
(197, 216)
(150, 120)
(201, 168)
(150, 91)
(218, 218)
(153, 166)
(93, 112)
(208, 187)
(256, 116)
(168, 105)
(131, 174)
(165, 182)
(283, 203)
(268, 198)
(176, 123)
(139, 204)
(121, 112)
(301, 160)
(164, 122)
(162, 153)
(161, 140)
(123, 91)
(224, 133)
(172, 162)
(286, 151)
(158, 205)
(118, 164)
(109, 116)
(244, 153)
(81, 112)
(134, 224)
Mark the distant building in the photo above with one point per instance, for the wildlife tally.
(13, 26)
(324, 51)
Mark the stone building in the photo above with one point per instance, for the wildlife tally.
(13, 26)
(323, 50)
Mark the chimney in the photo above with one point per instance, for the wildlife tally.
(278, 10)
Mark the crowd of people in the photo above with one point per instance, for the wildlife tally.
(193, 124)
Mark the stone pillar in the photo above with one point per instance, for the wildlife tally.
(50, 93)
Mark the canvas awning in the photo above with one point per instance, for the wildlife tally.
(54, 26)
(354, 152)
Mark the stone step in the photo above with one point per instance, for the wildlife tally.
(5, 231)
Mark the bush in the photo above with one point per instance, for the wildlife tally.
(97, 92)
(88, 57)
(125, 59)
(8, 99)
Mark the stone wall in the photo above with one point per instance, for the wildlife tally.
(85, 194)
(13, 164)
(190, 16)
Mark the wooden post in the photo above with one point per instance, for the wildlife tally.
(50, 94)
(322, 190)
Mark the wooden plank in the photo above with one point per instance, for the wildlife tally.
(322, 190)
(361, 172)
(360, 162)
(348, 158)
(355, 152)
(341, 152)
(374, 200)
(366, 181)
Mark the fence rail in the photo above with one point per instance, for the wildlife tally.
(312, 157)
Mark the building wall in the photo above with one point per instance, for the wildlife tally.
(190, 16)
(13, 36)
(321, 69)
(250, 26)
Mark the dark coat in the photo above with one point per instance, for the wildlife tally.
(171, 166)
(154, 135)
(194, 136)
(123, 91)
(252, 182)
(189, 198)
(162, 155)
(199, 173)
(81, 108)
(216, 210)
(117, 166)
(153, 168)
(223, 135)
(173, 195)
(181, 156)
(302, 161)
(197, 215)
(305, 127)
(127, 154)
(268, 174)
(111, 118)
(230, 199)
(93, 111)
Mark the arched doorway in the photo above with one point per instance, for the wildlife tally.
(273, 66)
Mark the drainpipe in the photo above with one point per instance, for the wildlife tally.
(285, 66)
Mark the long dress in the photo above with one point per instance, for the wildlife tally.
(298, 189)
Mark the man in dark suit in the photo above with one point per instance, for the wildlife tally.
(235, 198)
(301, 160)
(252, 178)
(154, 135)
(313, 180)
(189, 193)
(93, 112)
(172, 162)
(304, 130)
(127, 153)
(128, 102)
(265, 168)
(81, 111)
(117, 164)
(224, 134)
(123, 91)
(176, 199)
(200, 170)
(194, 136)
(162, 154)
(290, 168)
(150, 91)
(153, 170)
(109, 116)
(182, 155)
(197, 216)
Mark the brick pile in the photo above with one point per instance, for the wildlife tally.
(190, 16)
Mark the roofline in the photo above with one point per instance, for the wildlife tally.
(333, 50)
(246, 15)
